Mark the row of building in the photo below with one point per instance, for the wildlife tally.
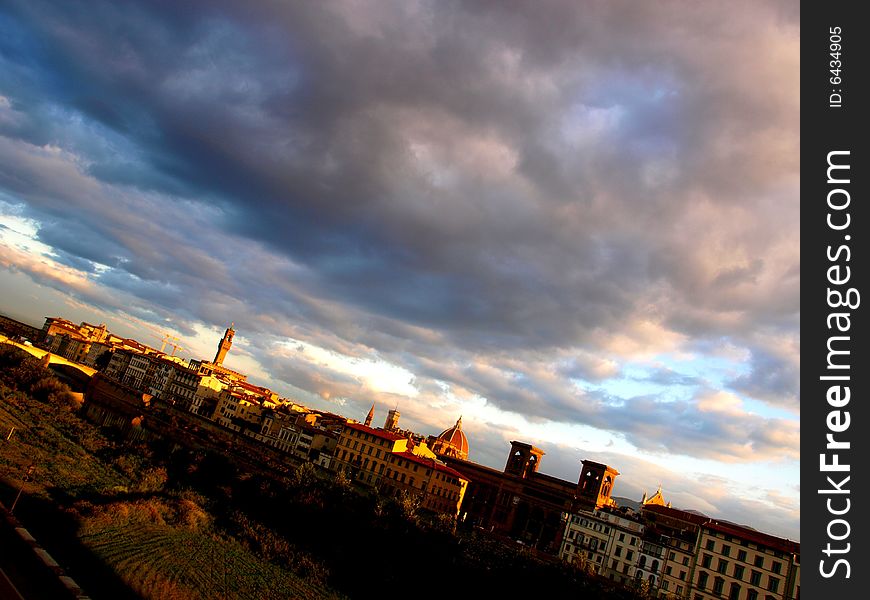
(388, 458)
(680, 554)
(669, 552)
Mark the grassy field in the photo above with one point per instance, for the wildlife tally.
(187, 559)
(103, 506)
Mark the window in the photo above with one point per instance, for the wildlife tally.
(629, 555)
(718, 585)
(752, 595)
(621, 537)
(734, 592)
(685, 561)
(634, 541)
(711, 545)
(759, 561)
(755, 578)
(738, 572)
(613, 564)
(741, 555)
(671, 556)
(772, 583)
(706, 561)
(702, 580)
(683, 575)
(618, 551)
(665, 585)
(776, 567)
(723, 566)
(667, 570)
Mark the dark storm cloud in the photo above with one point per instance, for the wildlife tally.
(438, 184)
(301, 123)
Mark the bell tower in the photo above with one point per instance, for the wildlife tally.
(523, 460)
(224, 345)
(370, 416)
(392, 422)
(595, 484)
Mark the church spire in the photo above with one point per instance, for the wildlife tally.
(370, 416)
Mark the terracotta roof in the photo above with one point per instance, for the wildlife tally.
(455, 437)
(676, 513)
(752, 535)
(431, 464)
(375, 432)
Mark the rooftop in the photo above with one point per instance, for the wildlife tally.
(381, 433)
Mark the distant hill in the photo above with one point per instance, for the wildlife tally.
(627, 503)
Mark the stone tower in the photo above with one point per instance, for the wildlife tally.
(370, 416)
(224, 345)
(523, 460)
(392, 422)
(595, 484)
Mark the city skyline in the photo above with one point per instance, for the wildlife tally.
(576, 226)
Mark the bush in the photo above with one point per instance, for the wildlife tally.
(54, 392)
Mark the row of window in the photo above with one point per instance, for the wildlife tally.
(739, 572)
(754, 579)
(395, 474)
(594, 525)
(775, 565)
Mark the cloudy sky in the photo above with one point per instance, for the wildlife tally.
(572, 223)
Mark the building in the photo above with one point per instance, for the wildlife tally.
(19, 331)
(451, 442)
(96, 352)
(678, 532)
(526, 505)
(206, 368)
(737, 562)
(586, 541)
(382, 459)
(363, 452)
(73, 342)
(242, 407)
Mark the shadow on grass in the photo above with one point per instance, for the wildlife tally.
(56, 531)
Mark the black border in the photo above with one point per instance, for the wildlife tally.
(825, 129)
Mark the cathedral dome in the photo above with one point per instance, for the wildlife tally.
(452, 442)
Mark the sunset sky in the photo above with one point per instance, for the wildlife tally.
(575, 224)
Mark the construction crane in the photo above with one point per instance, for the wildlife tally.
(168, 339)
(165, 338)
